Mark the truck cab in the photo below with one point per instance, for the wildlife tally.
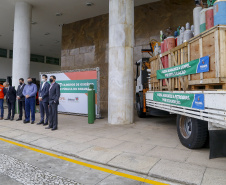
(142, 85)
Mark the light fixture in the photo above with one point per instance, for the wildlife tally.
(47, 33)
(59, 14)
(89, 4)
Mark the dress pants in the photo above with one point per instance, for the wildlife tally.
(2, 108)
(30, 107)
(21, 108)
(11, 109)
(53, 115)
(44, 111)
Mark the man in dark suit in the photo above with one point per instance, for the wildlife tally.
(54, 95)
(21, 98)
(10, 93)
(44, 100)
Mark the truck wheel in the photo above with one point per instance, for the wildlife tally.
(140, 112)
(192, 133)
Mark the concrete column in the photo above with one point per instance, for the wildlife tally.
(21, 42)
(121, 79)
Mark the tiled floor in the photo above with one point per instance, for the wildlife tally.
(145, 147)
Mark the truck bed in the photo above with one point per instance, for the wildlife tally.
(214, 106)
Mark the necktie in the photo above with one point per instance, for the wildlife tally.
(51, 86)
(43, 85)
(8, 93)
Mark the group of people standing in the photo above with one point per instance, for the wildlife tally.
(49, 94)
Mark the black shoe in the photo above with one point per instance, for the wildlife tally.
(54, 129)
(11, 119)
(48, 128)
(44, 124)
(7, 119)
(32, 122)
(18, 119)
(40, 123)
(26, 121)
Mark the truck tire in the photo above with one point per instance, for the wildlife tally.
(193, 133)
(140, 112)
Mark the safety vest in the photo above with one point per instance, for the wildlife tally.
(1, 92)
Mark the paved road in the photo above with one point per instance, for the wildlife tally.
(20, 165)
(4, 179)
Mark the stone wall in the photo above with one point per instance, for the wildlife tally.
(85, 43)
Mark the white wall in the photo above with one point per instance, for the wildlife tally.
(6, 68)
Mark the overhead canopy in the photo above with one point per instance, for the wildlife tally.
(47, 26)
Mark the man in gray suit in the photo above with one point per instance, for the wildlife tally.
(54, 95)
(44, 101)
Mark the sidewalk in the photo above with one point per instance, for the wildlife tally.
(150, 147)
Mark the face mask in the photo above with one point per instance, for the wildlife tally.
(21, 83)
(43, 80)
(29, 82)
(51, 80)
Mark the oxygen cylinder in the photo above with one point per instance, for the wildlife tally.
(203, 20)
(196, 19)
(209, 18)
(219, 12)
(192, 29)
(182, 35)
(188, 33)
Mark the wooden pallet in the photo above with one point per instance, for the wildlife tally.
(212, 42)
(208, 87)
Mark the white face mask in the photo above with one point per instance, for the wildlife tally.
(43, 80)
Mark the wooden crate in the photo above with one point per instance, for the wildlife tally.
(176, 56)
(211, 42)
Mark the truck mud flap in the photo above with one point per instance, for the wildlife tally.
(217, 143)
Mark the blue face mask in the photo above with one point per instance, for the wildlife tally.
(51, 80)
(29, 82)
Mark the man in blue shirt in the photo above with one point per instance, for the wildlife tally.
(29, 92)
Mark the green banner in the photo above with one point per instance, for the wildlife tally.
(196, 66)
(76, 86)
(181, 99)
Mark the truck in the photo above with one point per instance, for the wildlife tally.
(192, 86)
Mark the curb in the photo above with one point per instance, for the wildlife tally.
(105, 164)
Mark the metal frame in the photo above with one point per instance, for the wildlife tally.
(215, 107)
(98, 114)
